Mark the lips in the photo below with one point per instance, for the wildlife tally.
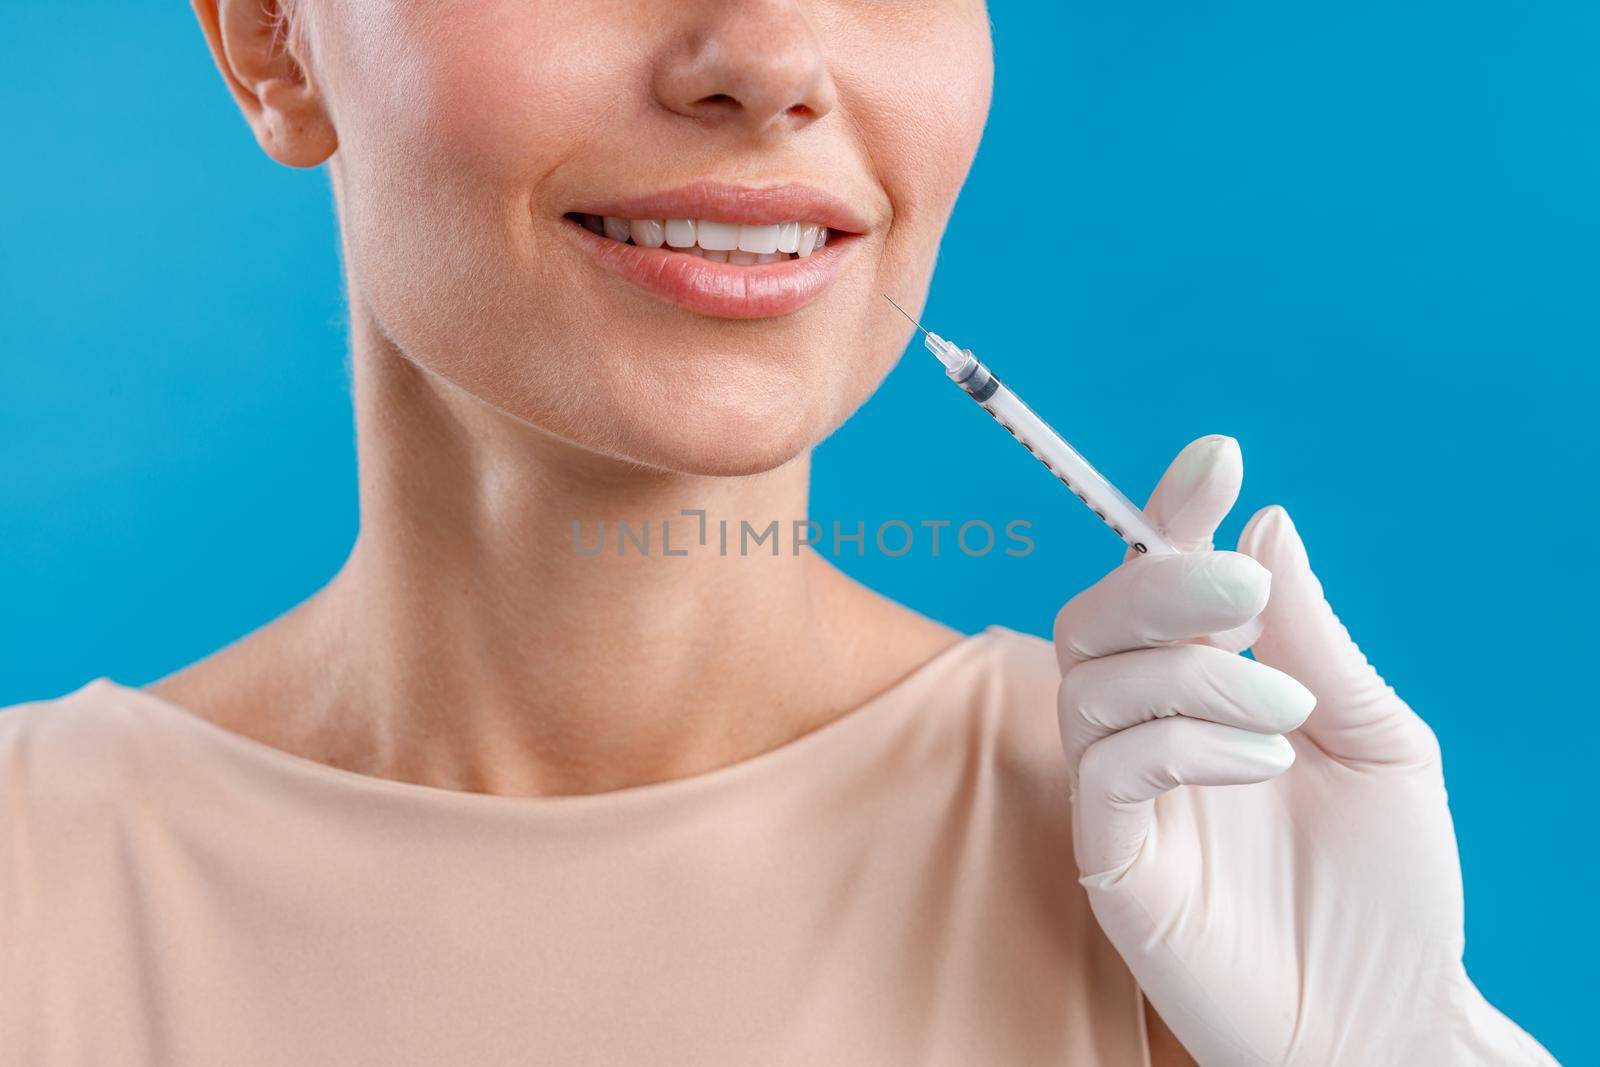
(722, 265)
(767, 205)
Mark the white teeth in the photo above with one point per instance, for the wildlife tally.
(789, 237)
(758, 238)
(647, 233)
(808, 239)
(717, 236)
(680, 233)
(724, 242)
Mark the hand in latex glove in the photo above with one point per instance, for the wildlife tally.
(1277, 914)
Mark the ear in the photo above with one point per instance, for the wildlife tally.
(279, 99)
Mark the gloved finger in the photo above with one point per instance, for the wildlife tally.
(1196, 493)
(1199, 488)
(1103, 696)
(1359, 717)
(1239, 638)
(1158, 600)
(1122, 775)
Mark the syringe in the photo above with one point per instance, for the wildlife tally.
(1047, 446)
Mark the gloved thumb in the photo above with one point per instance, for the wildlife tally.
(1358, 718)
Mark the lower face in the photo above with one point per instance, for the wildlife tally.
(526, 216)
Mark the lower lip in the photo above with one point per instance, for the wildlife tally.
(720, 290)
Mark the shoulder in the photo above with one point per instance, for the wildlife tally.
(1016, 665)
(66, 760)
(1011, 681)
(1008, 802)
(998, 715)
(86, 791)
(79, 721)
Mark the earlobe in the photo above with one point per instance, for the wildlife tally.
(272, 87)
(294, 127)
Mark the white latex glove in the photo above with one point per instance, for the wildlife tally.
(1273, 914)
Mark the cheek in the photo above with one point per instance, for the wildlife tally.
(920, 92)
(513, 89)
(481, 97)
(459, 110)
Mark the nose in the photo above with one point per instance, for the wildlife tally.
(755, 64)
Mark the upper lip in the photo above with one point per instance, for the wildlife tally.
(764, 205)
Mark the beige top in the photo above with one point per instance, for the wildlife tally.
(896, 887)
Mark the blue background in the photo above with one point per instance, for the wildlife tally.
(1360, 237)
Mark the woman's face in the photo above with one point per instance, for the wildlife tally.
(475, 135)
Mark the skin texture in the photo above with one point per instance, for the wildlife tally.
(505, 385)
(453, 179)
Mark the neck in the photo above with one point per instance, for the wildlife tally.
(480, 646)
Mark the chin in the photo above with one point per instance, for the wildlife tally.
(706, 408)
(727, 435)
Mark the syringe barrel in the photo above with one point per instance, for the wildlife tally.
(1069, 467)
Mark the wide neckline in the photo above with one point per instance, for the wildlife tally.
(837, 734)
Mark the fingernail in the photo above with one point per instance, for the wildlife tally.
(1281, 697)
(1270, 536)
(1230, 578)
(1270, 754)
(1286, 538)
(1199, 458)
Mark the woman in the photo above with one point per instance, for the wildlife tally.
(486, 798)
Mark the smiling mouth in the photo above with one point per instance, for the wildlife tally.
(724, 251)
(720, 242)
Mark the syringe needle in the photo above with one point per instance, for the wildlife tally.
(906, 313)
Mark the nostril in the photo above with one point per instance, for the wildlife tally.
(801, 111)
(717, 100)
